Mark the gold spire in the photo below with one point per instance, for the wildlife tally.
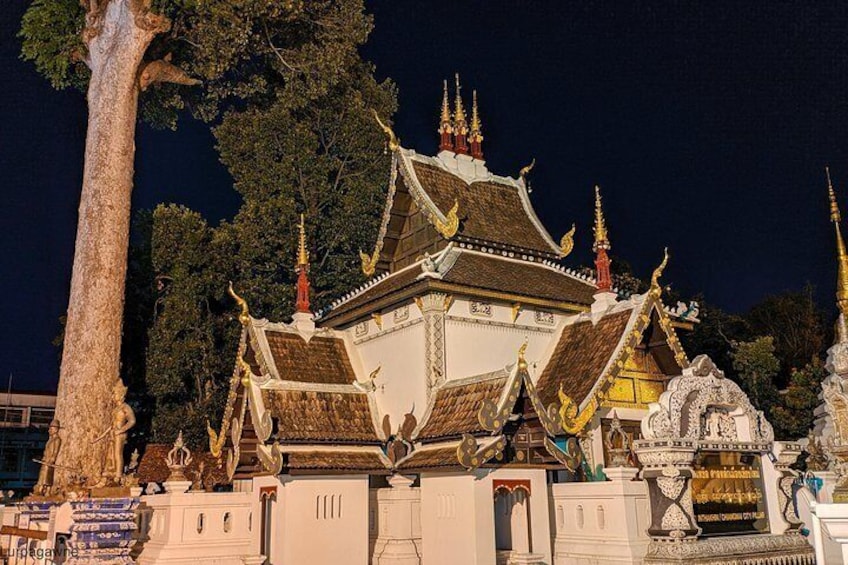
(841, 255)
(445, 120)
(459, 113)
(600, 229)
(476, 126)
(302, 254)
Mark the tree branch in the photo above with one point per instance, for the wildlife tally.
(163, 71)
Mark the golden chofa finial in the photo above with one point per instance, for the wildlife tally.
(460, 125)
(525, 170)
(522, 362)
(244, 315)
(394, 142)
(655, 277)
(302, 253)
(841, 255)
(600, 229)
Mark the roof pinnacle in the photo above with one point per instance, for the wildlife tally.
(302, 268)
(445, 124)
(476, 133)
(302, 254)
(600, 247)
(600, 229)
(460, 123)
(841, 254)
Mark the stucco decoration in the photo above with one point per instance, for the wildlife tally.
(703, 405)
(471, 455)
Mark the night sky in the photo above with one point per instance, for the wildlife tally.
(707, 126)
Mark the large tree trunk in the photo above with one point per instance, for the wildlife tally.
(118, 34)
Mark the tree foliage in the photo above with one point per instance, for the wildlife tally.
(793, 416)
(313, 149)
(756, 367)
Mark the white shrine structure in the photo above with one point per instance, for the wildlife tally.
(476, 402)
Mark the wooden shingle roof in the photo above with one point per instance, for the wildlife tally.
(474, 274)
(338, 459)
(583, 351)
(456, 406)
(320, 360)
(489, 211)
(314, 415)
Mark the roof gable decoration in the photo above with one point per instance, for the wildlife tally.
(702, 405)
(573, 415)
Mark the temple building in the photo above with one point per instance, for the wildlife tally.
(430, 415)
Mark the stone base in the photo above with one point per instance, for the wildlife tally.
(762, 549)
(110, 492)
(515, 558)
(397, 552)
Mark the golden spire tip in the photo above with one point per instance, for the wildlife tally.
(600, 229)
(302, 254)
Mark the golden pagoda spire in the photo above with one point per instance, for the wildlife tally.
(460, 125)
(475, 136)
(600, 229)
(459, 111)
(302, 254)
(841, 255)
(445, 124)
(446, 115)
(476, 126)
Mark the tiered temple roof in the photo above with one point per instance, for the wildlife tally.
(301, 401)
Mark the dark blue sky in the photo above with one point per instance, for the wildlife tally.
(707, 126)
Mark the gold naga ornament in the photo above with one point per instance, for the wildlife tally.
(656, 289)
(394, 142)
(525, 170)
(450, 226)
(566, 244)
(244, 315)
(369, 262)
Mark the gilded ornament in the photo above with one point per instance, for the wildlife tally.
(244, 315)
(600, 229)
(394, 142)
(448, 302)
(378, 319)
(449, 227)
(516, 309)
(525, 170)
(369, 262)
(655, 277)
(522, 362)
(566, 244)
(841, 255)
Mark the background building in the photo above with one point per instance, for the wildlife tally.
(24, 419)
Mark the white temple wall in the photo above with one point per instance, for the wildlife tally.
(539, 516)
(449, 521)
(198, 527)
(324, 520)
(399, 350)
(603, 523)
(482, 344)
(458, 516)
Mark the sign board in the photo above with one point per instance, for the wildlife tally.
(728, 493)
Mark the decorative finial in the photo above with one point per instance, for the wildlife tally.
(460, 125)
(302, 268)
(600, 230)
(302, 254)
(600, 247)
(566, 244)
(244, 315)
(522, 362)
(450, 226)
(655, 277)
(476, 133)
(525, 170)
(841, 255)
(178, 459)
(445, 124)
(394, 142)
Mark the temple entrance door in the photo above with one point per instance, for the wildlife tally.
(512, 524)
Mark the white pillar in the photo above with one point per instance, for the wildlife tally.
(399, 516)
